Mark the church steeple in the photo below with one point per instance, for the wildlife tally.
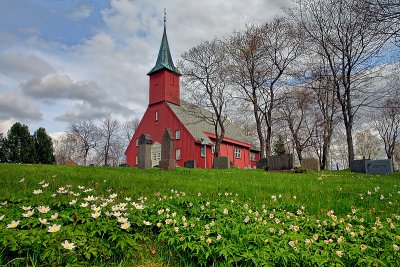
(164, 77)
(164, 59)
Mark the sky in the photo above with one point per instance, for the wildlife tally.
(72, 60)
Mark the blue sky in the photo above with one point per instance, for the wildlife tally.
(69, 60)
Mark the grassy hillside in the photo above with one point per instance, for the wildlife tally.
(54, 215)
(338, 190)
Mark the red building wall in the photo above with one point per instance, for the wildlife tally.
(164, 86)
(155, 128)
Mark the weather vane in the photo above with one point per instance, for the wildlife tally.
(165, 16)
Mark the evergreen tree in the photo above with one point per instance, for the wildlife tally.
(3, 149)
(44, 151)
(279, 146)
(20, 144)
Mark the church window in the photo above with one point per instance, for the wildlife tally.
(178, 154)
(136, 160)
(237, 153)
(137, 141)
(252, 156)
(156, 115)
(203, 151)
(177, 134)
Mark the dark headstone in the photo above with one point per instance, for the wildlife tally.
(168, 161)
(281, 162)
(144, 151)
(383, 166)
(123, 165)
(311, 164)
(222, 163)
(190, 164)
(262, 163)
(358, 166)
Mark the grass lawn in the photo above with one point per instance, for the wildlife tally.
(195, 216)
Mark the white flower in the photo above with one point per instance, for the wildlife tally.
(339, 253)
(22, 180)
(73, 202)
(146, 222)
(37, 192)
(81, 187)
(90, 198)
(94, 208)
(2, 217)
(54, 228)
(208, 241)
(113, 195)
(43, 221)
(28, 214)
(43, 209)
(45, 185)
(219, 237)
(68, 245)
(125, 226)
(42, 182)
(291, 243)
(122, 220)
(225, 211)
(96, 214)
(395, 247)
(54, 216)
(13, 224)
(84, 205)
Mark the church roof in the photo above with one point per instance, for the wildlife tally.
(198, 121)
(164, 59)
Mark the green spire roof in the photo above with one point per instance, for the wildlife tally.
(164, 59)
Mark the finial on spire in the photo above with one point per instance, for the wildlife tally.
(165, 16)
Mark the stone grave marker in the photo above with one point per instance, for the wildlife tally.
(144, 151)
(311, 164)
(167, 161)
(262, 163)
(377, 167)
(281, 162)
(190, 164)
(222, 163)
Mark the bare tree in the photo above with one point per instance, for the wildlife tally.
(109, 129)
(387, 123)
(321, 86)
(249, 69)
(86, 134)
(296, 111)
(65, 148)
(205, 68)
(367, 145)
(386, 11)
(350, 41)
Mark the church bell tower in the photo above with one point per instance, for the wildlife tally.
(164, 76)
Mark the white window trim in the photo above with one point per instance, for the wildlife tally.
(177, 134)
(178, 153)
(238, 153)
(156, 115)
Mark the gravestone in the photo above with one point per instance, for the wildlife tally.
(311, 164)
(167, 161)
(281, 162)
(377, 167)
(358, 166)
(222, 163)
(190, 164)
(144, 151)
(262, 163)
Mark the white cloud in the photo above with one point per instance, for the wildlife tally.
(81, 12)
(23, 65)
(17, 107)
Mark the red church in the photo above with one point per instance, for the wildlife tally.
(194, 135)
